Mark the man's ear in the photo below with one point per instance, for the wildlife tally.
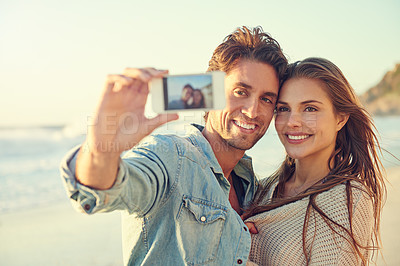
(341, 121)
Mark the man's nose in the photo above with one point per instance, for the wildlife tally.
(250, 109)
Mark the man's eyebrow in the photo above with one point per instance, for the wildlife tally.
(304, 102)
(247, 86)
(242, 84)
(271, 94)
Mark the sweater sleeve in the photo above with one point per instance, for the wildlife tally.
(331, 249)
(363, 221)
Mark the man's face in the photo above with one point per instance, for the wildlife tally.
(251, 90)
(186, 93)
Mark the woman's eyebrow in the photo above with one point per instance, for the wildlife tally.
(311, 101)
(303, 102)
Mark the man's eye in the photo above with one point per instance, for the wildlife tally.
(310, 109)
(265, 99)
(240, 92)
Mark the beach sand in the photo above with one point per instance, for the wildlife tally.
(58, 235)
(390, 223)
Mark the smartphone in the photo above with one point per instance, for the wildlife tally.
(196, 92)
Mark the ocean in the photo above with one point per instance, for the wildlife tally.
(30, 159)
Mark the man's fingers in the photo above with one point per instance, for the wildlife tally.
(117, 82)
(133, 78)
(144, 74)
(156, 73)
(162, 119)
(137, 73)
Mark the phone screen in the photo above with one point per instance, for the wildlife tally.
(188, 92)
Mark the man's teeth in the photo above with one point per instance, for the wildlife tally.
(298, 137)
(245, 125)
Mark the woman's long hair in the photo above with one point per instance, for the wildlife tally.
(355, 158)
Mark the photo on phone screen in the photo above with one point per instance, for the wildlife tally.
(188, 92)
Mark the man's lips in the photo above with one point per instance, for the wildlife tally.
(245, 125)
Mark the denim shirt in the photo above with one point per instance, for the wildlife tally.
(174, 200)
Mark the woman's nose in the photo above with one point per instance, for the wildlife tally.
(294, 119)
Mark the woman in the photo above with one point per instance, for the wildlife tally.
(198, 99)
(323, 205)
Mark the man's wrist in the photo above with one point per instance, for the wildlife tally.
(97, 169)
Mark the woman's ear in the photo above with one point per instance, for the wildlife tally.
(341, 121)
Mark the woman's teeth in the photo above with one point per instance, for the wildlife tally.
(298, 137)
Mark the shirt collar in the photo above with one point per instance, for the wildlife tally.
(244, 168)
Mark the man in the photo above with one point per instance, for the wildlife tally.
(181, 196)
(182, 103)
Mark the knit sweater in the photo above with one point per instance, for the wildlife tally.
(279, 239)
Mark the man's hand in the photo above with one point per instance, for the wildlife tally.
(119, 121)
(119, 124)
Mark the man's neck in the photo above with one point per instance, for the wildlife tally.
(227, 156)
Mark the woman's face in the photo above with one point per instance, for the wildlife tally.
(197, 97)
(305, 121)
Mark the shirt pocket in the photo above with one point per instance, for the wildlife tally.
(200, 225)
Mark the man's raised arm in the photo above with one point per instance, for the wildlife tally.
(119, 124)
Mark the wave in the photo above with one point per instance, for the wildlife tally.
(54, 132)
(74, 130)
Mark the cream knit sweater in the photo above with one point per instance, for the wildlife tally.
(279, 241)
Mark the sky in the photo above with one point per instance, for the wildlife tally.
(55, 55)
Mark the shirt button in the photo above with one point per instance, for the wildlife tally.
(239, 261)
(203, 218)
(87, 207)
(245, 228)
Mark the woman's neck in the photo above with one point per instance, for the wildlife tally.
(307, 173)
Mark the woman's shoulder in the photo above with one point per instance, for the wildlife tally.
(336, 198)
(357, 190)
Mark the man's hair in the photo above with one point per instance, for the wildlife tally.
(188, 86)
(251, 44)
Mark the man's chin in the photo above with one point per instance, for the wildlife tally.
(241, 145)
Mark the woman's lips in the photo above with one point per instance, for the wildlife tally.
(297, 138)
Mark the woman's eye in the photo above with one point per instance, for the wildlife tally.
(310, 109)
(282, 109)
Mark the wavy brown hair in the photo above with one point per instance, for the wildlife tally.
(355, 159)
(251, 44)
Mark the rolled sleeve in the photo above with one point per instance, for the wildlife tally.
(84, 198)
(146, 176)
